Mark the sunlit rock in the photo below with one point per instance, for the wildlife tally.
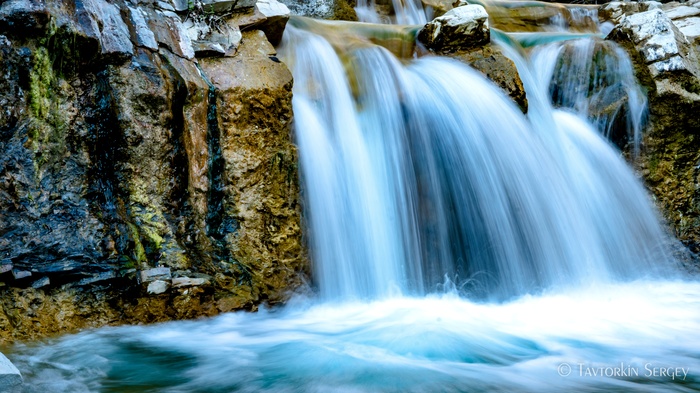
(460, 28)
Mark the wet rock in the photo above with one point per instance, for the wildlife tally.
(490, 61)
(259, 220)
(19, 17)
(158, 273)
(460, 28)
(157, 287)
(666, 64)
(10, 377)
(95, 278)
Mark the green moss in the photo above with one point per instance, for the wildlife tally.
(139, 251)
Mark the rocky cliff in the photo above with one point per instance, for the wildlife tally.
(146, 165)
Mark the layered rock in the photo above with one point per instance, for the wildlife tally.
(10, 377)
(125, 151)
(666, 64)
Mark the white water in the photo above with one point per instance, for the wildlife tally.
(405, 344)
(426, 172)
(428, 189)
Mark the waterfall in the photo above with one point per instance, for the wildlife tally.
(424, 173)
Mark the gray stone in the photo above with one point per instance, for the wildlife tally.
(20, 274)
(10, 377)
(157, 287)
(158, 273)
(141, 34)
(169, 31)
(320, 9)
(40, 283)
(113, 32)
(463, 27)
(174, 5)
(615, 10)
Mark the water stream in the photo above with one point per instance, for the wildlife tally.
(457, 244)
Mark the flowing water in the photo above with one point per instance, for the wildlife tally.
(457, 244)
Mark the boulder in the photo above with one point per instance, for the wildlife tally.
(270, 16)
(10, 377)
(461, 28)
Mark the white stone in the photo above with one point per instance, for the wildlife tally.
(114, 33)
(271, 8)
(690, 27)
(10, 377)
(157, 287)
(675, 63)
(461, 27)
(646, 24)
(660, 47)
(682, 12)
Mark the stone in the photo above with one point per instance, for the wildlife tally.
(270, 16)
(222, 6)
(141, 35)
(40, 283)
(169, 31)
(175, 5)
(157, 287)
(222, 40)
(97, 278)
(463, 27)
(615, 10)
(6, 266)
(113, 32)
(181, 282)
(158, 273)
(690, 27)
(20, 274)
(259, 217)
(682, 12)
(19, 17)
(10, 377)
(657, 40)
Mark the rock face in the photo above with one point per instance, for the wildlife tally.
(666, 64)
(123, 156)
(460, 28)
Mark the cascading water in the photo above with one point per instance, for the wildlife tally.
(418, 178)
(428, 194)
